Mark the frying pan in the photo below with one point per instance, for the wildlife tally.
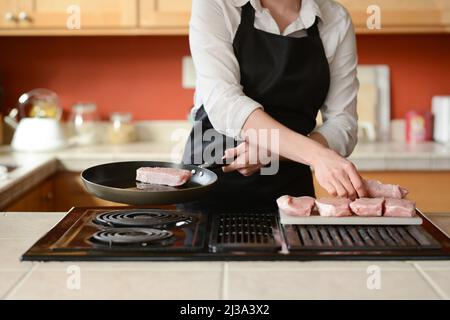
(117, 182)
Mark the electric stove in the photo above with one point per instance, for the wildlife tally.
(125, 233)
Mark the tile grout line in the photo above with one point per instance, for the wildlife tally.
(19, 282)
(431, 282)
(224, 289)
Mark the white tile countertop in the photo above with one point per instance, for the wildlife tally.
(391, 156)
(206, 280)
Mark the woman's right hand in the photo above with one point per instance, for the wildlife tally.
(337, 175)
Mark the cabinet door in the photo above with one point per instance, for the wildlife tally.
(8, 14)
(165, 13)
(93, 13)
(70, 192)
(39, 199)
(399, 15)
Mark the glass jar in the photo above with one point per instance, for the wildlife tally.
(84, 120)
(121, 130)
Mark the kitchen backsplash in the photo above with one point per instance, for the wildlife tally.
(143, 75)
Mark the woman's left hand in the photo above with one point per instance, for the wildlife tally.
(245, 160)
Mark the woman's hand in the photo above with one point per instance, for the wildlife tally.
(245, 161)
(337, 175)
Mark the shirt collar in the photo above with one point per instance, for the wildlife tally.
(309, 10)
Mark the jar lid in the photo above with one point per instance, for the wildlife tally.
(81, 107)
(121, 116)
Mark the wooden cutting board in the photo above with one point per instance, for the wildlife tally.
(316, 219)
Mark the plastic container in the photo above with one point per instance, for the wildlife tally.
(84, 120)
(121, 130)
(419, 126)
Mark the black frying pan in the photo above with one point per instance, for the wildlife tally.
(117, 182)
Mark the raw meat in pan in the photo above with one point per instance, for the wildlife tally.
(368, 207)
(399, 208)
(164, 176)
(296, 206)
(376, 189)
(334, 207)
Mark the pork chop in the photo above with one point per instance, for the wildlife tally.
(296, 206)
(368, 207)
(163, 176)
(334, 207)
(399, 208)
(376, 189)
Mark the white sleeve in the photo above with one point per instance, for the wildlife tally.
(217, 69)
(340, 119)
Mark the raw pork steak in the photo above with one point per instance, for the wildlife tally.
(368, 207)
(334, 207)
(399, 208)
(164, 176)
(296, 206)
(376, 189)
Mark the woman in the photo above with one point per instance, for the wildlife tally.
(270, 66)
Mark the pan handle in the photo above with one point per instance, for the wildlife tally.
(207, 165)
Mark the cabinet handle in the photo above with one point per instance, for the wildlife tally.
(23, 16)
(11, 17)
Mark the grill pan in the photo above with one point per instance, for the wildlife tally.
(116, 182)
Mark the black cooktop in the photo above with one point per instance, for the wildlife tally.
(122, 233)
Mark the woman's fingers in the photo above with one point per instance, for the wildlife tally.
(329, 188)
(238, 163)
(234, 152)
(248, 171)
(347, 184)
(242, 161)
(357, 182)
(340, 189)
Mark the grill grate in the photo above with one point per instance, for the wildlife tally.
(310, 237)
(250, 232)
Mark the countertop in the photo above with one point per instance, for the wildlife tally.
(206, 280)
(33, 168)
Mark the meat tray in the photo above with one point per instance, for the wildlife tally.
(316, 219)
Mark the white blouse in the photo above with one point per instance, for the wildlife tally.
(213, 26)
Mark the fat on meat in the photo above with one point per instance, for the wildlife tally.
(334, 207)
(376, 189)
(368, 207)
(296, 206)
(399, 208)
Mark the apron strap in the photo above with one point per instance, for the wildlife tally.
(313, 31)
(248, 15)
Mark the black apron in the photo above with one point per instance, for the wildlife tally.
(290, 78)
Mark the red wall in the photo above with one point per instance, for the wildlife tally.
(143, 74)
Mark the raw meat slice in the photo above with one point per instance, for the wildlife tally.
(165, 176)
(368, 207)
(296, 206)
(399, 208)
(376, 189)
(334, 207)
